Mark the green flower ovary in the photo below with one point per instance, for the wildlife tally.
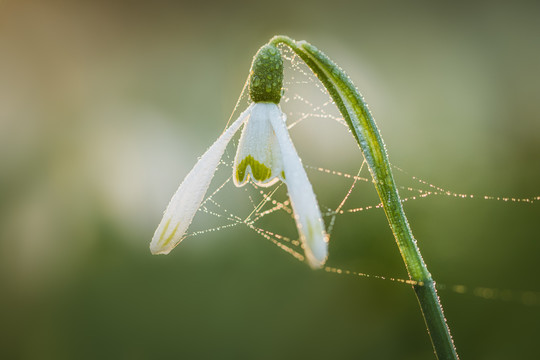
(266, 75)
(259, 171)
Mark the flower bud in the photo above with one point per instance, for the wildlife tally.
(266, 75)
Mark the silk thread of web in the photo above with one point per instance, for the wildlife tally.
(268, 204)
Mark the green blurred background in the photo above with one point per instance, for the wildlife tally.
(105, 105)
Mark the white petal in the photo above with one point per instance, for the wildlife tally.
(187, 199)
(306, 210)
(258, 156)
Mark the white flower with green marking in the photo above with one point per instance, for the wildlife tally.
(264, 156)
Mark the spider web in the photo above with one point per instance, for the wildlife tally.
(260, 209)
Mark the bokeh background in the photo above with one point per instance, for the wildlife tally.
(105, 105)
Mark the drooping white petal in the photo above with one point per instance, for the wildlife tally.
(258, 156)
(306, 210)
(187, 199)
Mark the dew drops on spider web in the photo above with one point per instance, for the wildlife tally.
(343, 186)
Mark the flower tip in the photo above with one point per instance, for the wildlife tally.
(155, 249)
(317, 254)
(164, 240)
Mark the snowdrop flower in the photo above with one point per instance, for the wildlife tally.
(264, 156)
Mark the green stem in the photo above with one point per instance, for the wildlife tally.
(357, 115)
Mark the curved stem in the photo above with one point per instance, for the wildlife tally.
(358, 117)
